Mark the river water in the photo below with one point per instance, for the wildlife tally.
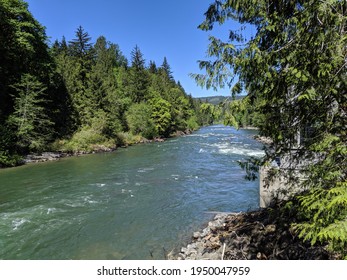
(135, 203)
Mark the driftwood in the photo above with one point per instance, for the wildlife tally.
(254, 235)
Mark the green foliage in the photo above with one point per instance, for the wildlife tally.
(9, 160)
(325, 212)
(125, 139)
(166, 70)
(211, 113)
(138, 77)
(294, 70)
(161, 115)
(241, 113)
(29, 119)
(22, 51)
(82, 92)
(81, 47)
(251, 166)
(88, 138)
(139, 120)
(192, 123)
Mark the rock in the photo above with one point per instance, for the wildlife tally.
(51, 156)
(47, 156)
(270, 229)
(101, 148)
(221, 216)
(159, 140)
(214, 239)
(205, 232)
(179, 133)
(255, 235)
(264, 140)
(261, 256)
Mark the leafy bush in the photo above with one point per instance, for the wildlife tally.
(88, 138)
(7, 160)
(139, 120)
(192, 123)
(126, 138)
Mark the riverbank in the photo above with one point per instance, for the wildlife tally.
(171, 183)
(57, 155)
(256, 235)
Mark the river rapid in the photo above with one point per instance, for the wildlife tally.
(135, 203)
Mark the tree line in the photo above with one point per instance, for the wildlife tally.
(78, 95)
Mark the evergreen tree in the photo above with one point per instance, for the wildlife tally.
(81, 45)
(102, 84)
(81, 49)
(152, 67)
(165, 74)
(23, 49)
(68, 70)
(86, 93)
(295, 67)
(138, 77)
(165, 67)
(29, 119)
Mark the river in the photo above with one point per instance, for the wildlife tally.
(135, 203)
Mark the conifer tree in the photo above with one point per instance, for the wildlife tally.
(29, 119)
(295, 67)
(81, 45)
(165, 67)
(138, 77)
(152, 67)
(23, 49)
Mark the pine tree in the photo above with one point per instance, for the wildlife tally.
(165, 67)
(81, 45)
(23, 49)
(138, 77)
(29, 119)
(102, 84)
(152, 67)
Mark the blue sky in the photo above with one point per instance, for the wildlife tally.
(159, 27)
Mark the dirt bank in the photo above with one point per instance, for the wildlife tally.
(261, 234)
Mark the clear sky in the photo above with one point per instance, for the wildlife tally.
(159, 27)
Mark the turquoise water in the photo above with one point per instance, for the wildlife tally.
(135, 203)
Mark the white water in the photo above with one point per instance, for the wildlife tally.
(135, 203)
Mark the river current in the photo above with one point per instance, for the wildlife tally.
(135, 203)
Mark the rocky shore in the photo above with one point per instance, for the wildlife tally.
(53, 156)
(264, 140)
(261, 235)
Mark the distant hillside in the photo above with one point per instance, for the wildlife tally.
(215, 100)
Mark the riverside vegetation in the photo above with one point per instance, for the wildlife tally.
(290, 57)
(78, 96)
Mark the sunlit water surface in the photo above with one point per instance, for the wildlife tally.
(135, 203)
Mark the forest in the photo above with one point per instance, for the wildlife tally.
(81, 95)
